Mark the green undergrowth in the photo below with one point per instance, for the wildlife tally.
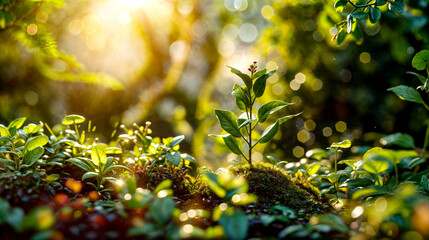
(274, 187)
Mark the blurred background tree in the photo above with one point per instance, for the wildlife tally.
(165, 61)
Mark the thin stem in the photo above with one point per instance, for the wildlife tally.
(425, 142)
(250, 137)
(336, 161)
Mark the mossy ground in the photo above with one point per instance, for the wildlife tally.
(274, 187)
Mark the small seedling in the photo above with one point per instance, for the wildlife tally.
(240, 129)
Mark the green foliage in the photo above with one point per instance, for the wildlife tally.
(243, 126)
(360, 11)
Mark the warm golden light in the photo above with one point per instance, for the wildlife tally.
(124, 18)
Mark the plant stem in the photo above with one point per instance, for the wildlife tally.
(250, 137)
(335, 161)
(425, 142)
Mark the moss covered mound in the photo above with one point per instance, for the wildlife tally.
(274, 187)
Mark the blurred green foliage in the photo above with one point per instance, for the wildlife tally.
(169, 67)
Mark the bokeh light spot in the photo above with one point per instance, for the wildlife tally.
(278, 89)
(32, 29)
(267, 11)
(303, 136)
(365, 57)
(31, 98)
(223, 206)
(341, 126)
(357, 212)
(310, 125)
(248, 32)
(298, 151)
(294, 85)
(317, 84)
(327, 131)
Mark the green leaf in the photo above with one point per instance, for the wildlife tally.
(247, 122)
(261, 82)
(161, 209)
(270, 108)
(89, 175)
(317, 154)
(228, 122)
(82, 164)
(272, 130)
(341, 36)
(176, 141)
(17, 123)
(98, 156)
(174, 158)
(31, 157)
(269, 133)
(313, 168)
(113, 167)
(343, 144)
(259, 73)
(233, 144)
(419, 76)
(374, 190)
(73, 119)
(4, 132)
(374, 14)
(358, 14)
(375, 166)
(380, 2)
(399, 139)
(166, 184)
(407, 93)
(397, 6)
(35, 142)
(8, 162)
(358, 182)
(286, 118)
(246, 79)
(15, 218)
(234, 224)
(421, 60)
(188, 157)
(212, 181)
(241, 99)
(340, 5)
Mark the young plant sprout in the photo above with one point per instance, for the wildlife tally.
(240, 129)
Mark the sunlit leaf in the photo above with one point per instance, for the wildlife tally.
(32, 156)
(340, 5)
(375, 166)
(374, 190)
(343, 144)
(72, 119)
(98, 156)
(228, 122)
(17, 123)
(261, 82)
(89, 175)
(407, 93)
(35, 142)
(174, 158)
(399, 139)
(176, 141)
(421, 60)
(246, 79)
(269, 108)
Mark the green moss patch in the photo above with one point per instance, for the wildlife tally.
(274, 187)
